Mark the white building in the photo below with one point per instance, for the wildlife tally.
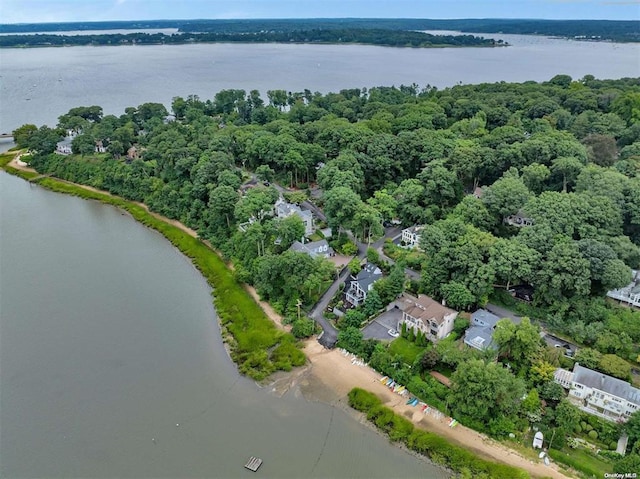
(599, 394)
(284, 210)
(411, 236)
(362, 284)
(630, 294)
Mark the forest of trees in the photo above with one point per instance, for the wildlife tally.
(383, 37)
(564, 153)
(614, 30)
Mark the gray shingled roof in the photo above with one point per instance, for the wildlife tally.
(489, 319)
(368, 275)
(611, 385)
(481, 336)
(312, 248)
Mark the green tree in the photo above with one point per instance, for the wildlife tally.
(568, 167)
(457, 296)
(534, 176)
(481, 392)
(350, 339)
(513, 261)
(506, 197)
(341, 205)
(22, 134)
(615, 366)
(518, 343)
(567, 416)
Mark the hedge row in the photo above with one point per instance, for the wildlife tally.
(436, 448)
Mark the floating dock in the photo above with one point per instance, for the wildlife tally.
(253, 463)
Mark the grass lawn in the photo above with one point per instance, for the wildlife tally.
(406, 349)
(581, 461)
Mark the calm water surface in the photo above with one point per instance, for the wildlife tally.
(108, 339)
(40, 84)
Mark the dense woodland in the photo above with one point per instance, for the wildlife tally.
(619, 31)
(383, 37)
(564, 153)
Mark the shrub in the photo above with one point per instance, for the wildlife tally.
(438, 449)
(578, 429)
(362, 400)
(593, 434)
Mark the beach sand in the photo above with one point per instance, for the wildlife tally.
(330, 376)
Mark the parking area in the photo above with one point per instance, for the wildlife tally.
(568, 348)
(379, 327)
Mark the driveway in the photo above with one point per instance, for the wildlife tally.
(503, 312)
(379, 327)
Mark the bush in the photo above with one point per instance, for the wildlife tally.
(438, 449)
(362, 400)
(577, 429)
(593, 434)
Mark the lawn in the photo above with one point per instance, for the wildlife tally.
(581, 461)
(408, 350)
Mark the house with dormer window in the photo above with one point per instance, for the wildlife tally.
(427, 315)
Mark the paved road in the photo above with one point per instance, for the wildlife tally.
(503, 312)
(330, 333)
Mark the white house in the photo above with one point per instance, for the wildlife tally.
(599, 394)
(427, 315)
(519, 220)
(284, 210)
(362, 284)
(480, 333)
(411, 236)
(314, 248)
(630, 294)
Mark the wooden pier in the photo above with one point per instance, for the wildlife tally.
(253, 463)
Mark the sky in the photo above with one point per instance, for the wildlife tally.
(39, 11)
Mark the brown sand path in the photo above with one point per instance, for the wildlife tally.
(335, 372)
(333, 376)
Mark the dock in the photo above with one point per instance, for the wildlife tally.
(253, 463)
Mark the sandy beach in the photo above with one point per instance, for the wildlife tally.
(330, 376)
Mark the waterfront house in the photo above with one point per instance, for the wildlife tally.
(599, 394)
(427, 315)
(480, 333)
(314, 248)
(362, 284)
(284, 210)
(630, 294)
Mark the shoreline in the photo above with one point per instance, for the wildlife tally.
(328, 377)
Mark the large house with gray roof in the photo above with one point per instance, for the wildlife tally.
(362, 284)
(284, 210)
(480, 333)
(314, 249)
(599, 394)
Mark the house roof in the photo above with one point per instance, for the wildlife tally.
(368, 275)
(489, 319)
(288, 209)
(313, 248)
(414, 229)
(608, 384)
(425, 308)
(479, 337)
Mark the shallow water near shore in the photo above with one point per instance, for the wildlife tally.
(113, 366)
